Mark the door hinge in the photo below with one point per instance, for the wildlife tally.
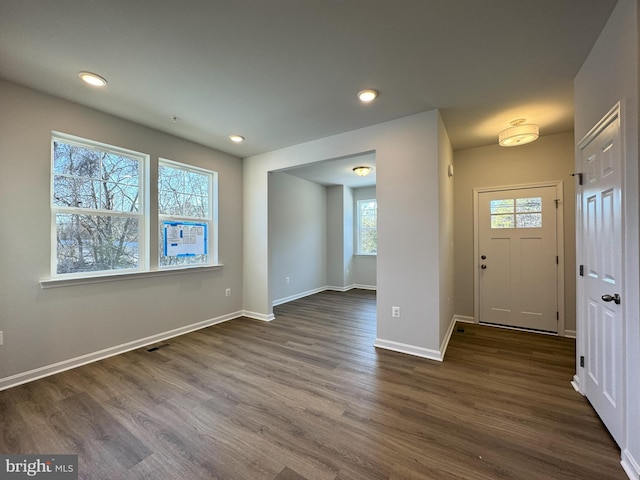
(582, 270)
(557, 260)
(557, 315)
(557, 201)
(579, 175)
(582, 360)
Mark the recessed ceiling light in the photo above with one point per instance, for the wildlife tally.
(236, 138)
(367, 95)
(92, 79)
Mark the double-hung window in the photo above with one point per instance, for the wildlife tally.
(101, 211)
(367, 233)
(97, 208)
(186, 214)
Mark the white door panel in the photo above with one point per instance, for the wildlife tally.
(517, 245)
(600, 227)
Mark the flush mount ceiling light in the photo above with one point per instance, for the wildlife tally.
(92, 79)
(518, 134)
(236, 138)
(362, 171)
(367, 95)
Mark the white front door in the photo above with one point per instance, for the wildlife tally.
(518, 258)
(600, 285)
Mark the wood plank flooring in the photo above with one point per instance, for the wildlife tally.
(307, 397)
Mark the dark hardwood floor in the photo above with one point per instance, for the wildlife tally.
(308, 397)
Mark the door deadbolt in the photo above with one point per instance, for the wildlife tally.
(483, 257)
(483, 266)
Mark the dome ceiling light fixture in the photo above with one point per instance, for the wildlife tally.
(362, 171)
(518, 134)
(236, 138)
(92, 79)
(367, 95)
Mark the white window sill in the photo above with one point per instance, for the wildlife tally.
(116, 277)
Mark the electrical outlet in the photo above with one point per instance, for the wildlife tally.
(395, 312)
(287, 279)
(227, 292)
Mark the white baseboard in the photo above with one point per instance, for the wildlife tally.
(570, 333)
(447, 337)
(630, 465)
(258, 316)
(360, 286)
(47, 370)
(464, 319)
(575, 383)
(297, 296)
(332, 288)
(408, 349)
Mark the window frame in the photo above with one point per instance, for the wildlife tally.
(360, 228)
(211, 219)
(147, 214)
(141, 214)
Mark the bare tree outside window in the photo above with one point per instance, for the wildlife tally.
(96, 204)
(367, 227)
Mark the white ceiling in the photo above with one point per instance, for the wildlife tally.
(339, 171)
(283, 72)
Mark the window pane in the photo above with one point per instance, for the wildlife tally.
(196, 206)
(502, 221)
(501, 206)
(169, 179)
(196, 183)
(89, 243)
(120, 169)
(369, 241)
(121, 198)
(76, 192)
(74, 160)
(367, 236)
(169, 202)
(529, 220)
(183, 193)
(525, 205)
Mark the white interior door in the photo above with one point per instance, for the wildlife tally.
(601, 285)
(518, 258)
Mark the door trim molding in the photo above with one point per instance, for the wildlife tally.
(559, 186)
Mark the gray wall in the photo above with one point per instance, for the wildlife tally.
(609, 75)
(446, 208)
(407, 159)
(42, 327)
(297, 235)
(549, 158)
(336, 268)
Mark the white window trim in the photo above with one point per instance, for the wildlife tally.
(147, 268)
(116, 277)
(142, 214)
(212, 247)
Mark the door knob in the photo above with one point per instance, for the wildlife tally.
(612, 298)
(483, 266)
(483, 257)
